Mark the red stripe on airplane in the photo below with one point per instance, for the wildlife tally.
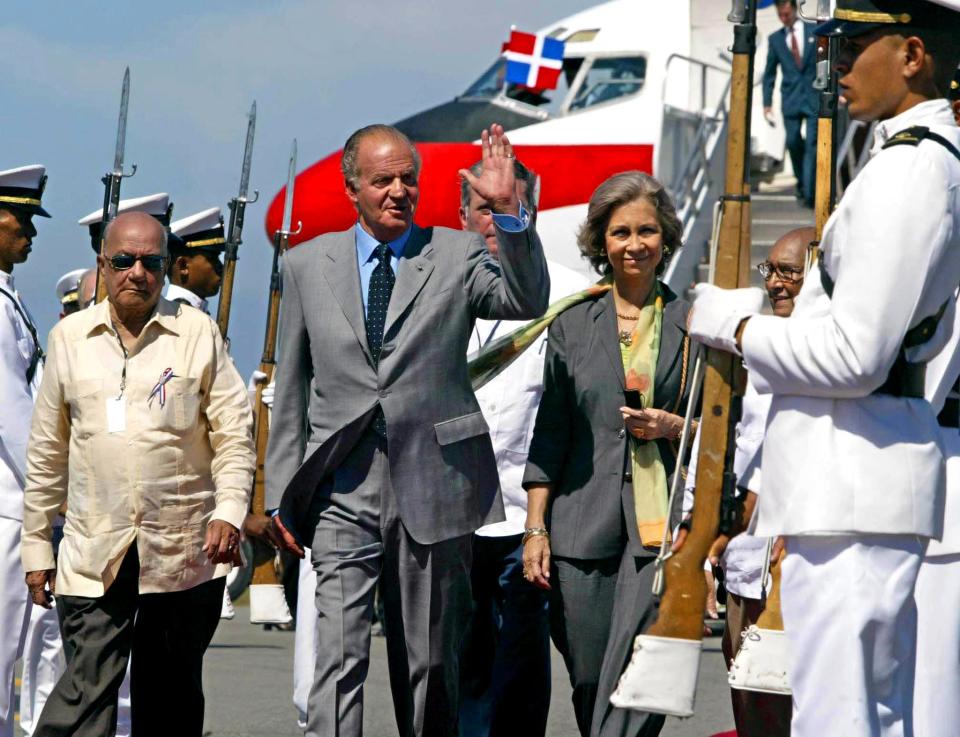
(569, 174)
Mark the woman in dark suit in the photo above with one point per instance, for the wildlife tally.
(597, 472)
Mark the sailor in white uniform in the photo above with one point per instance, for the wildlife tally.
(196, 267)
(158, 205)
(21, 366)
(936, 706)
(68, 292)
(194, 275)
(43, 657)
(853, 467)
(937, 696)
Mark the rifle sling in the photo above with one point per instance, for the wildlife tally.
(37, 356)
(906, 379)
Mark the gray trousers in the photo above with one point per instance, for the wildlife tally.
(597, 607)
(359, 541)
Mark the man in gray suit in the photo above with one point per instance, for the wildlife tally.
(379, 456)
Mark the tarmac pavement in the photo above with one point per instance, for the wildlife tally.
(248, 683)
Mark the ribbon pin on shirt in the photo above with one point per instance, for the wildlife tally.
(160, 388)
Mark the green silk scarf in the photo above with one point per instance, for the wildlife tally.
(497, 355)
(649, 476)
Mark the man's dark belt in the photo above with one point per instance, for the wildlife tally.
(905, 379)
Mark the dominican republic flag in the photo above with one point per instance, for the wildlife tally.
(533, 61)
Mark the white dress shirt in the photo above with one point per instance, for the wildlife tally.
(176, 293)
(16, 397)
(838, 459)
(509, 403)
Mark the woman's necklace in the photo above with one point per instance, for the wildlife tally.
(626, 336)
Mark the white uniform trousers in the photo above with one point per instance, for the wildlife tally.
(43, 664)
(305, 641)
(14, 615)
(849, 614)
(936, 711)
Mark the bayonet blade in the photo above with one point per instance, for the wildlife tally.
(288, 202)
(248, 151)
(122, 124)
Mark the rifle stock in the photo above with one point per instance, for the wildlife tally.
(826, 141)
(661, 677)
(226, 295)
(266, 573)
(685, 593)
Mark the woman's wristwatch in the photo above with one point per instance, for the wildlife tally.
(529, 532)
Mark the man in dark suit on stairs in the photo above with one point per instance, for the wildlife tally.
(794, 50)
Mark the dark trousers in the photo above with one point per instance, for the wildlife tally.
(168, 635)
(597, 607)
(803, 153)
(359, 541)
(505, 666)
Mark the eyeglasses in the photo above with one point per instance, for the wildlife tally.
(789, 274)
(124, 261)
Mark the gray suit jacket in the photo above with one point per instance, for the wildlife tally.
(579, 444)
(441, 460)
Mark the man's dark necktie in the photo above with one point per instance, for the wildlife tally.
(795, 48)
(378, 299)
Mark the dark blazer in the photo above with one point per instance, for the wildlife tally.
(797, 95)
(579, 443)
(442, 466)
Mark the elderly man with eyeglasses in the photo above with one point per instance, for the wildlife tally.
(143, 428)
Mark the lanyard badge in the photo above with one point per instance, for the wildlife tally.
(160, 388)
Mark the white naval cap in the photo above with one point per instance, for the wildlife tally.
(201, 231)
(68, 285)
(23, 188)
(158, 205)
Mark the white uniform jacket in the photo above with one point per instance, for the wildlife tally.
(837, 459)
(177, 293)
(16, 398)
(941, 377)
(509, 402)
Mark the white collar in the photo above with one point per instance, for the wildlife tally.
(930, 112)
(175, 292)
(6, 280)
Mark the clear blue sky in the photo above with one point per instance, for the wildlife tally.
(317, 69)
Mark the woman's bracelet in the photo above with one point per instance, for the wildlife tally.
(529, 532)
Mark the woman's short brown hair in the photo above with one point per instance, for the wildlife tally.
(619, 190)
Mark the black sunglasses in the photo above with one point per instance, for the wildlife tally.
(124, 261)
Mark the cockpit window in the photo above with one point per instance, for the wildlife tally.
(491, 84)
(608, 79)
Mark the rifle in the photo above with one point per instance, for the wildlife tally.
(238, 206)
(671, 647)
(267, 604)
(111, 180)
(826, 82)
(767, 644)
